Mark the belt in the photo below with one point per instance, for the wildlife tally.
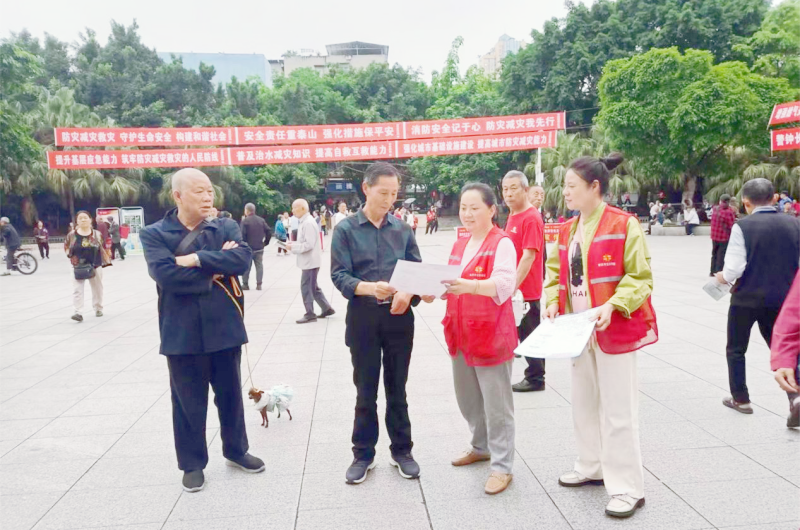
(372, 300)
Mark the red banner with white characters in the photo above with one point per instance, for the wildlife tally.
(551, 231)
(308, 134)
(785, 113)
(785, 139)
(298, 154)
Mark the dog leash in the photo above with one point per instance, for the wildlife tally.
(249, 370)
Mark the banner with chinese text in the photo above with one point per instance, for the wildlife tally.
(785, 113)
(785, 139)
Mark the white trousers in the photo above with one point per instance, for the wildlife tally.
(486, 402)
(96, 283)
(605, 410)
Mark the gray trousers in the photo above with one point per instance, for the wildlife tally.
(486, 401)
(258, 259)
(311, 292)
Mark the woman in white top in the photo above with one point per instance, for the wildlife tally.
(690, 217)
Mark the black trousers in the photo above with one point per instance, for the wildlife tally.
(718, 250)
(115, 247)
(189, 377)
(44, 249)
(534, 373)
(374, 335)
(740, 322)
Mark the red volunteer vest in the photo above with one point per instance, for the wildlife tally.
(605, 269)
(483, 331)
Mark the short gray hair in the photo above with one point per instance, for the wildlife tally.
(4, 220)
(250, 207)
(758, 191)
(519, 175)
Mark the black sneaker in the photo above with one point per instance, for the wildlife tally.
(248, 463)
(77, 317)
(193, 480)
(406, 465)
(357, 472)
(527, 386)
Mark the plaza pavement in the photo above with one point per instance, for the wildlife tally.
(86, 442)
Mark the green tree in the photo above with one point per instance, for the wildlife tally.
(676, 113)
(774, 50)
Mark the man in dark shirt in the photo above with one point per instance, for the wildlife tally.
(380, 324)
(12, 242)
(102, 227)
(116, 240)
(256, 233)
(195, 262)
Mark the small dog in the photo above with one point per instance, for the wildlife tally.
(279, 397)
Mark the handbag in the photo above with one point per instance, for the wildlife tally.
(84, 271)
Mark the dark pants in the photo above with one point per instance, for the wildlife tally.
(294, 235)
(375, 335)
(115, 247)
(258, 260)
(690, 229)
(44, 249)
(534, 373)
(740, 322)
(311, 292)
(280, 248)
(718, 250)
(11, 260)
(189, 377)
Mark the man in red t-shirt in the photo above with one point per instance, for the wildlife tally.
(526, 230)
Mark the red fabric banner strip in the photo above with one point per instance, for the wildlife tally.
(785, 113)
(785, 139)
(308, 134)
(255, 155)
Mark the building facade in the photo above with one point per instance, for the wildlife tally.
(492, 61)
(348, 55)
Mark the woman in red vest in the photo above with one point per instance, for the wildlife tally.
(603, 266)
(481, 334)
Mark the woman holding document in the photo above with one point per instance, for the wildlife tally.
(603, 265)
(481, 335)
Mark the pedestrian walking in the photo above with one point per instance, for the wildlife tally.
(603, 265)
(785, 351)
(483, 351)
(88, 256)
(195, 262)
(116, 240)
(722, 220)
(42, 236)
(308, 250)
(281, 235)
(256, 233)
(762, 258)
(12, 242)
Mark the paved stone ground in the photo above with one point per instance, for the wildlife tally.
(85, 431)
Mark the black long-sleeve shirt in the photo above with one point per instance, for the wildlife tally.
(361, 252)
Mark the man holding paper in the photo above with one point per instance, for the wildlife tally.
(380, 323)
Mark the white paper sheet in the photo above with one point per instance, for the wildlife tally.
(423, 278)
(716, 290)
(563, 338)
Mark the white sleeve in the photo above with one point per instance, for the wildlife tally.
(735, 256)
(504, 272)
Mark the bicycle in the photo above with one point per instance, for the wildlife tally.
(24, 262)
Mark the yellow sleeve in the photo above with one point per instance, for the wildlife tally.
(637, 284)
(553, 269)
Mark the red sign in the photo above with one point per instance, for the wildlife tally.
(309, 134)
(551, 231)
(785, 139)
(785, 113)
(462, 232)
(299, 154)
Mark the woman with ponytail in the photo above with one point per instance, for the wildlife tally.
(603, 267)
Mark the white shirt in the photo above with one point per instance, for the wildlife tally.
(691, 217)
(338, 217)
(504, 272)
(307, 247)
(736, 255)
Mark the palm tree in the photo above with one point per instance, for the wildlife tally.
(744, 164)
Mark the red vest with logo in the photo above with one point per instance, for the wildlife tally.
(604, 269)
(483, 331)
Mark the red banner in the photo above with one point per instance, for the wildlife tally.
(785, 139)
(785, 113)
(308, 134)
(551, 231)
(255, 155)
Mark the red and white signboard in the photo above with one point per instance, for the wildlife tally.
(462, 233)
(785, 113)
(299, 154)
(785, 139)
(551, 231)
(308, 134)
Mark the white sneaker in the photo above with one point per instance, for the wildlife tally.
(623, 506)
(573, 479)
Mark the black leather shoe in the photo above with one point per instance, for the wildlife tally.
(327, 313)
(406, 465)
(247, 463)
(193, 480)
(527, 386)
(306, 320)
(357, 472)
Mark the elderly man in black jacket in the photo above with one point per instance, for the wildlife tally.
(12, 242)
(195, 262)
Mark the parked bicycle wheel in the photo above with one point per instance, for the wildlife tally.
(26, 263)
